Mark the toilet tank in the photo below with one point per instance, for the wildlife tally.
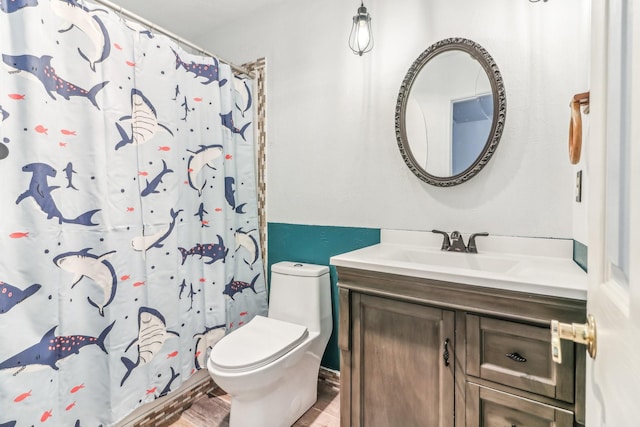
(301, 293)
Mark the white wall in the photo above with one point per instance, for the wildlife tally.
(580, 223)
(332, 153)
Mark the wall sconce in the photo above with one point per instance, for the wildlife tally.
(361, 38)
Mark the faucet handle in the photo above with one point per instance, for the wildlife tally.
(471, 246)
(445, 241)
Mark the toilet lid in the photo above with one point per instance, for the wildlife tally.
(256, 344)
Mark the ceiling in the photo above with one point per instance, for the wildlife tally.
(190, 19)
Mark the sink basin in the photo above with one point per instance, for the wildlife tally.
(430, 259)
(466, 261)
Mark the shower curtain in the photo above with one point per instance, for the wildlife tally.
(128, 217)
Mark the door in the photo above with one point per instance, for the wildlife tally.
(614, 214)
(471, 120)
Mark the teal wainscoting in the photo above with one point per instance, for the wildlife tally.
(580, 252)
(315, 245)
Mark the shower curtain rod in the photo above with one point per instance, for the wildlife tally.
(119, 9)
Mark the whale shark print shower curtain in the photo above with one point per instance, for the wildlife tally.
(128, 217)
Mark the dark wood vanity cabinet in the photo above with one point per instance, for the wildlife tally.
(417, 352)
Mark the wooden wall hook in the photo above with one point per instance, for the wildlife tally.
(575, 126)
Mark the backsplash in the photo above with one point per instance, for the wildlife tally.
(316, 244)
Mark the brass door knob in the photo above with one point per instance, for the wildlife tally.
(582, 333)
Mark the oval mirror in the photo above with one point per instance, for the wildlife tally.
(450, 112)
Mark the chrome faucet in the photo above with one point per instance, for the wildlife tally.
(471, 247)
(446, 244)
(456, 244)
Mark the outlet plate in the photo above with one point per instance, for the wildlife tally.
(579, 186)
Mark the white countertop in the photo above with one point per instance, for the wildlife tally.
(532, 265)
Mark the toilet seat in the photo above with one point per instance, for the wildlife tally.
(256, 344)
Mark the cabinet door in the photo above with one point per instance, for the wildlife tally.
(402, 374)
(491, 408)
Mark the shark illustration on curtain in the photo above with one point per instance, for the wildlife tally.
(128, 224)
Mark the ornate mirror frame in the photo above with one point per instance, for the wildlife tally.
(499, 109)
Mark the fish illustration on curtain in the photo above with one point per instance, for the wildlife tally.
(51, 349)
(152, 333)
(96, 267)
(41, 69)
(129, 213)
(10, 296)
(82, 18)
(10, 6)
(40, 191)
(144, 120)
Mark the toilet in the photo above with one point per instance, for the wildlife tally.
(270, 366)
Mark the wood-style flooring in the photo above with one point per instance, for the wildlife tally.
(213, 410)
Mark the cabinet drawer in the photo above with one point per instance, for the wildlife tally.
(492, 408)
(519, 355)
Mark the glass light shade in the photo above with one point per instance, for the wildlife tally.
(361, 38)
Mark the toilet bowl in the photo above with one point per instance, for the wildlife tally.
(270, 366)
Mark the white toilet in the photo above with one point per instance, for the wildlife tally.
(270, 366)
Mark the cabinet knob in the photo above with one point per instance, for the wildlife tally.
(445, 354)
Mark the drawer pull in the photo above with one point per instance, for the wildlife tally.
(516, 357)
(445, 354)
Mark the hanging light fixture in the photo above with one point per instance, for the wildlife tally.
(361, 38)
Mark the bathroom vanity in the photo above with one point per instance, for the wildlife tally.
(427, 342)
